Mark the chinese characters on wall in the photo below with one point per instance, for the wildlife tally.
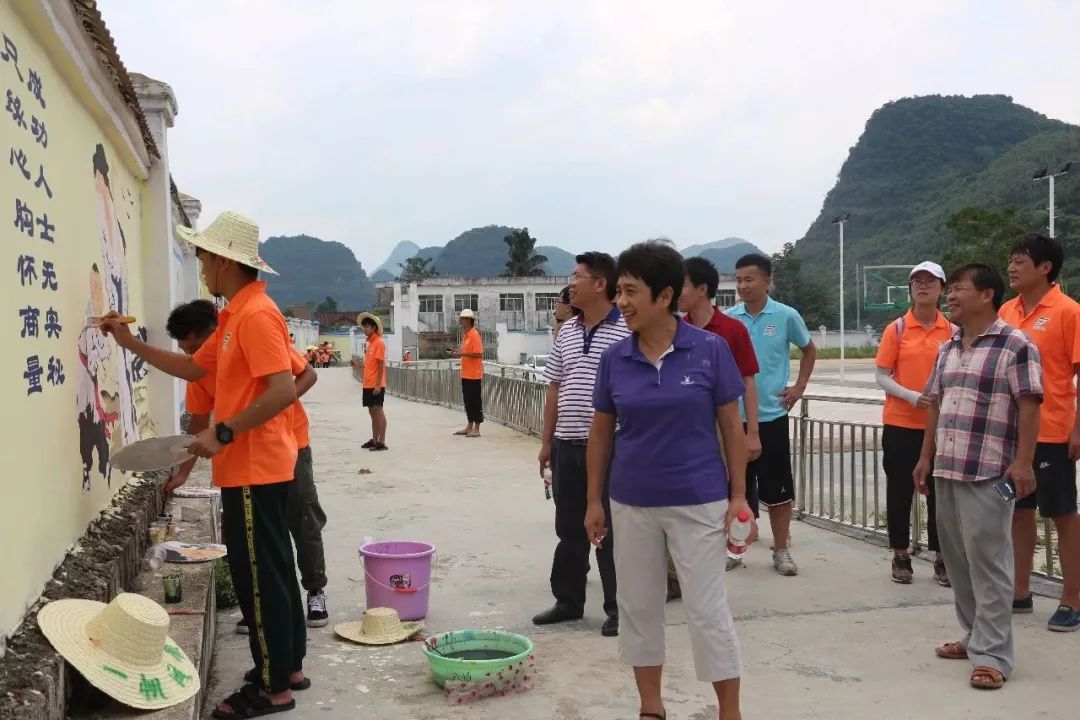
(33, 261)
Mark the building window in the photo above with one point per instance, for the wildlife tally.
(545, 302)
(466, 302)
(431, 303)
(511, 302)
(725, 298)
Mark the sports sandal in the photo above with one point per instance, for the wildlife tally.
(952, 651)
(249, 677)
(248, 703)
(986, 678)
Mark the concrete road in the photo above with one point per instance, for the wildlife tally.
(838, 641)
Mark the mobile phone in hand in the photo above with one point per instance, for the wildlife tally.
(1005, 489)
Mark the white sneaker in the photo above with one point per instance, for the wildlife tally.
(781, 560)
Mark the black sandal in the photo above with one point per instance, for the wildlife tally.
(248, 703)
(249, 677)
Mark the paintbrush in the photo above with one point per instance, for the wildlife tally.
(96, 322)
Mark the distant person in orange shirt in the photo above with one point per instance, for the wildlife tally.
(472, 374)
(254, 454)
(374, 380)
(1052, 320)
(905, 361)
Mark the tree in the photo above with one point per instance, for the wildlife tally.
(804, 293)
(328, 305)
(416, 269)
(523, 262)
(983, 236)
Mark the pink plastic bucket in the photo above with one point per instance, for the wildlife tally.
(398, 575)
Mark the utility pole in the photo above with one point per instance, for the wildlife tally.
(1044, 175)
(839, 221)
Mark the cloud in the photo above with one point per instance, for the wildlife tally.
(594, 123)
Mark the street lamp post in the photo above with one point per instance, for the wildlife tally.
(839, 221)
(1049, 176)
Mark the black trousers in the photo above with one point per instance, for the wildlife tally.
(472, 395)
(256, 530)
(306, 522)
(570, 567)
(901, 448)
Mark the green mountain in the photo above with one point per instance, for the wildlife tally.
(559, 262)
(722, 253)
(918, 161)
(312, 269)
(402, 252)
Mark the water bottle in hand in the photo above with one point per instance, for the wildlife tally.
(739, 534)
(547, 483)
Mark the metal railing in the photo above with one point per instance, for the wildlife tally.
(839, 480)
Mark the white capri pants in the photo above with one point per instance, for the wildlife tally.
(695, 537)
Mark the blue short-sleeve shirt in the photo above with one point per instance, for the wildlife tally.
(667, 452)
(772, 331)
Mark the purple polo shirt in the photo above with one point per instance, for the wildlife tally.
(667, 452)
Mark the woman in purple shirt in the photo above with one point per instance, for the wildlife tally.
(667, 387)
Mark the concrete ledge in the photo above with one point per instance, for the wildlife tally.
(36, 683)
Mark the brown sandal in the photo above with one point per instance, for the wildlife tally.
(952, 651)
(986, 678)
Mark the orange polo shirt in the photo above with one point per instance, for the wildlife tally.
(911, 361)
(199, 399)
(1052, 326)
(250, 343)
(376, 351)
(472, 368)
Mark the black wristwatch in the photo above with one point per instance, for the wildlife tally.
(224, 433)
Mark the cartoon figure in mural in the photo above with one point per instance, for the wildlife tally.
(94, 420)
(114, 266)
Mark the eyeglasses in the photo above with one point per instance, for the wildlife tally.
(574, 277)
(925, 281)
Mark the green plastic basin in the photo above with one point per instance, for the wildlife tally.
(470, 647)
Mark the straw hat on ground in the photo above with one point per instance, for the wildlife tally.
(231, 236)
(380, 626)
(365, 315)
(122, 649)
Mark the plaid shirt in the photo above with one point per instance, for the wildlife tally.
(976, 391)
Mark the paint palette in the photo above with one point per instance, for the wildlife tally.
(152, 454)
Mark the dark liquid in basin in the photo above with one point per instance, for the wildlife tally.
(481, 654)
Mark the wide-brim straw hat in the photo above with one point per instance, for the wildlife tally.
(364, 315)
(231, 236)
(122, 649)
(468, 313)
(379, 626)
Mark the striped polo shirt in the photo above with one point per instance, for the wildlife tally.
(573, 363)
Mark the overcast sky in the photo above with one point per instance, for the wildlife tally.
(595, 124)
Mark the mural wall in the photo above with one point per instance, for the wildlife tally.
(70, 247)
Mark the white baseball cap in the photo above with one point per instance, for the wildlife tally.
(931, 267)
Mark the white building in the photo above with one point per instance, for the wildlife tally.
(519, 309)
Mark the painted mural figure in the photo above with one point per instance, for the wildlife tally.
(94, 420)
(114, 275)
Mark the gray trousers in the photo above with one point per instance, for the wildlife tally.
(306, 521)
(975, 531)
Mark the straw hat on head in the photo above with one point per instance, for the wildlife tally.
(365, 315)
(231, 236)
(468, 313)
(122, 649)
(379, 626)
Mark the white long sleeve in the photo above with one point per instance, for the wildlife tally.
(885, 381)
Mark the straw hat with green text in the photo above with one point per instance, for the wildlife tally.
(379, 626)
(230, 236)
(375, 318)
(122, 649)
